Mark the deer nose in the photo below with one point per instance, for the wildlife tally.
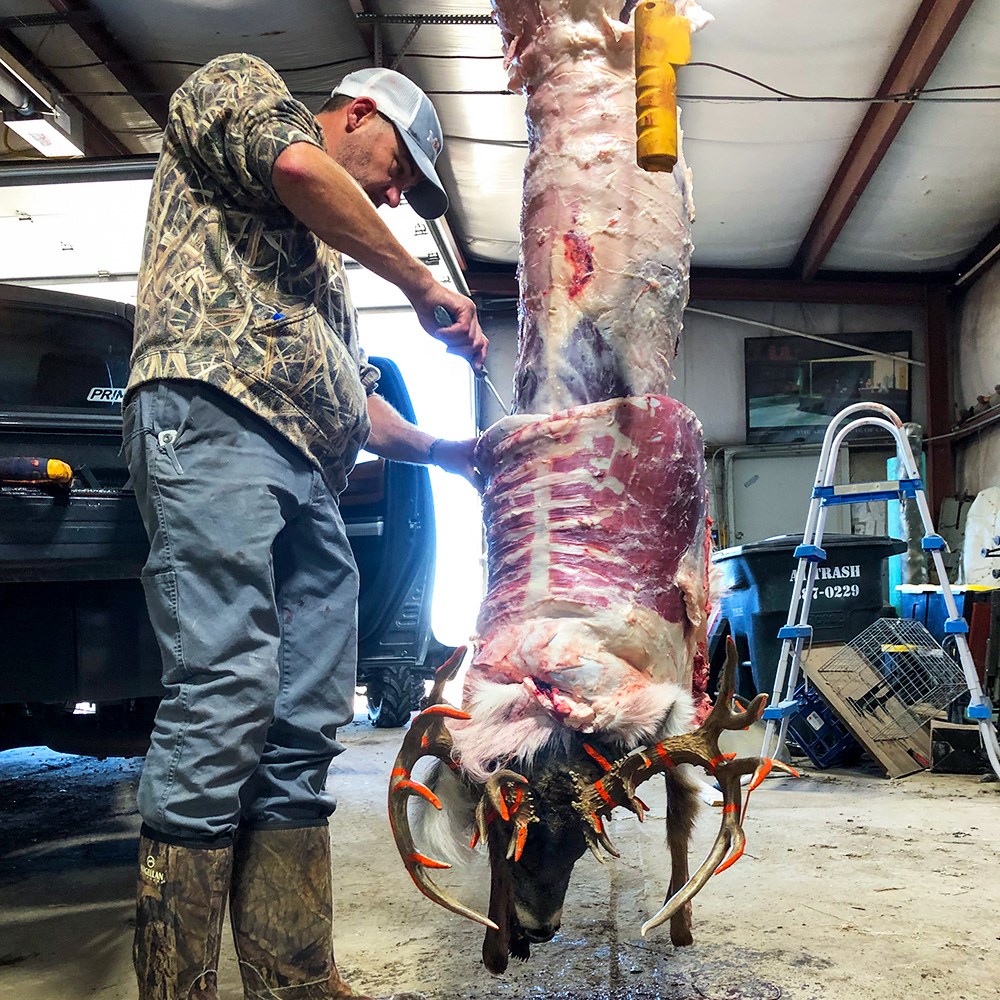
(539, 935)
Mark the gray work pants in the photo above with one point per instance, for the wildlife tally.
(252, 592)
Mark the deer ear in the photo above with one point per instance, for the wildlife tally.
(497, 942)
(496, 951)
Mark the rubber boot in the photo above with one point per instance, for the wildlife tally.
(281, 907)
(180, 907)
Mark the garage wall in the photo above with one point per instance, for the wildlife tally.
(709, 378)
(709, 366)
(978, 342)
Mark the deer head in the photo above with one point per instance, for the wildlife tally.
(537, 825)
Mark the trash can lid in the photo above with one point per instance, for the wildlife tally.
(788, 543)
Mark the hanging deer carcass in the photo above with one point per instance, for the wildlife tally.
(589, 664)
(580, 686)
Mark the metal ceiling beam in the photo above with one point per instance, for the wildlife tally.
(116, 60)
(933, 28)
(40, 171)
(742, 286)
(98, 139)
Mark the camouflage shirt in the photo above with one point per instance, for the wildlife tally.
(233, 290)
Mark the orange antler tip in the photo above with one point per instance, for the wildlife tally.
(760, 774)
(448, 711)
(730, 861)
(422, 790)
(422, 859)
(474, 840)
(522, 836)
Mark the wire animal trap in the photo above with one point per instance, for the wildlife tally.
(893, 678)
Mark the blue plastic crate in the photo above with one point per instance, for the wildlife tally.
(816, 728)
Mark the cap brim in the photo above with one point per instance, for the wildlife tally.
(428, 198)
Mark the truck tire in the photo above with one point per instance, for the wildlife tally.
(392, 697)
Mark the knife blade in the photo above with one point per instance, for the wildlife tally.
(444, 318)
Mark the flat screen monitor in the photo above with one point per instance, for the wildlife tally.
(794, 386)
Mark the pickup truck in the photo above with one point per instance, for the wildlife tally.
(79, 667)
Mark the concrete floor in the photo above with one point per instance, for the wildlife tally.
(853, 888)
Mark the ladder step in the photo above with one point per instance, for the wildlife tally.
(933, 543)
(781, 710)
(795, 631)
(864, 492)
(956, 626)
(811, 552)
(972, 712)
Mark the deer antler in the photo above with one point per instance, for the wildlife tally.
(701, 747)
(505, 795)
(427, 736)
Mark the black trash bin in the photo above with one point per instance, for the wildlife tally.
(849, 595)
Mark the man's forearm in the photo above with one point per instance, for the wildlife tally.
(324, 197)
(397, 439)
(393, 437)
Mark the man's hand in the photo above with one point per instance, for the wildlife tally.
(458, 457)
(464, 336)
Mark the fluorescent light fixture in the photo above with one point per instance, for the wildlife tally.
(44, 135)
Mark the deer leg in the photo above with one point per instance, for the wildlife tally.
(682, 807)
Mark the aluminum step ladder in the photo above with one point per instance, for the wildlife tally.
(797, 631)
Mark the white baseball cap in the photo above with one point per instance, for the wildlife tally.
(416, 121)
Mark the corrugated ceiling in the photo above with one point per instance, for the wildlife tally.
(761, 167)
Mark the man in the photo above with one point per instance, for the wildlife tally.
(248, 402)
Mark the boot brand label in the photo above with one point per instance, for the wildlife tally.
(147, 870)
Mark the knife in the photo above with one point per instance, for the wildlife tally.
(444, 318)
